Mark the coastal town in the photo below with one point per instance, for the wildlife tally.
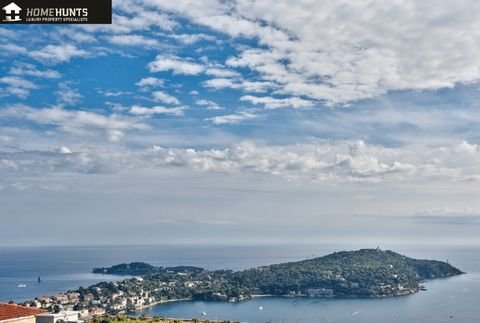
(371, 273)
(132, 294)
(13, 313)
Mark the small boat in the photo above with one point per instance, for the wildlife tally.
(21, 285)
(204, 313)
(260, 308)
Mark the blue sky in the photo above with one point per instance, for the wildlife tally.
(237, 115)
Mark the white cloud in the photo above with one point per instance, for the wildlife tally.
(114, 93)
(12, 48)
(143, 111)
(175, 64)
(163, 97)
(465, 147)
(8, 33)
(64, 150)
(76, 36)
(248, 86)
(274, 103)
(76, 122)
(31, 70)
(340, 51)
(14, 81)
(71, 33)
(139, 19)
(232, 118)
(341, 161)
(54, 54)
(17, 86)
(221, 83)
(133, 40)
(210, 105)
(222, 72)
(189, 39)
(67, 95)
(150, 82)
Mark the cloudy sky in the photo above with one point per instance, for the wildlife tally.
(244, 122)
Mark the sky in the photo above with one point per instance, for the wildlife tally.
(244, 122)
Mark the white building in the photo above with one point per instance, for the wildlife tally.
(67, 317)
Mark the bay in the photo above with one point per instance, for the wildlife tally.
(453, 299)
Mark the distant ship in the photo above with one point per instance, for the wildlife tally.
(39, 280)
(21, 285)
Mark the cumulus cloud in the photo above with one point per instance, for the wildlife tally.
(232, 118)
(64, 150)
(12, 48)
(466, 147)
(189, 39)
(163, 97)
(17, 86)
(150, 82)
(133, 17)
(54, 54)
(67, 95)
(340, 161)
(30, 70)
(240, 84)
(222, 72)
(275, 103)
(316, 162)
(143, 111)
(133, 40)
(77, 122)
(113, 93)
(339, 52)
(210, 105)
(175, 64)
(75, 35)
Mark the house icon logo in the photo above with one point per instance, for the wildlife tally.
(12, 12)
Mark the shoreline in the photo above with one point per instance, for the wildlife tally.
(164, 302)
(250, 297)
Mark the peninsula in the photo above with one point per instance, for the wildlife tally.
(362, 273)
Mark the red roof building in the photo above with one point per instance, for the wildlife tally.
(18, 314)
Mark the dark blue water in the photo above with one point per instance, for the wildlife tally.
(454, 299)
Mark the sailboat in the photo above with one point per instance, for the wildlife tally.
(39, 280)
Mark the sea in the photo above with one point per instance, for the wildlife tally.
(455, 299)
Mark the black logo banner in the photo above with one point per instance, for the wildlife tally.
(56, 12)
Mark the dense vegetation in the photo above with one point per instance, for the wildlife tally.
(362, 273)
(367, 272)
(142, 269)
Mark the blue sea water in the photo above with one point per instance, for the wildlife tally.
(455, 299)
